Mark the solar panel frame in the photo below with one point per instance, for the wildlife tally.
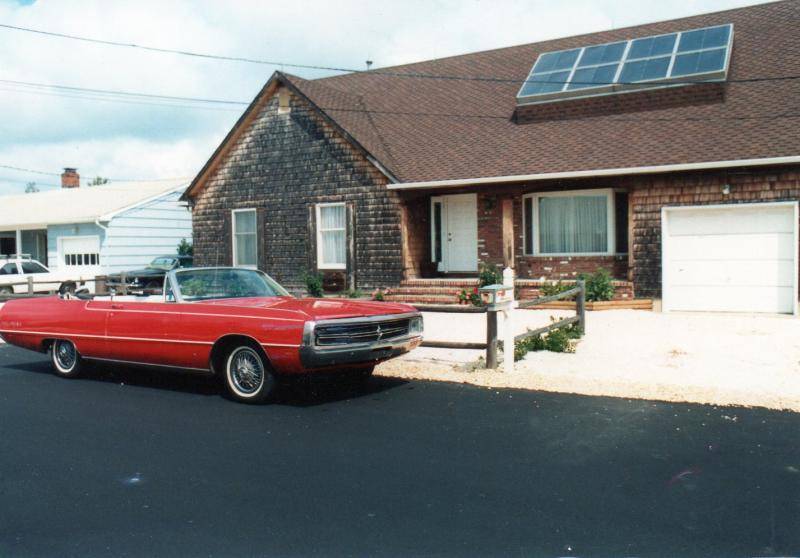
(568, 91)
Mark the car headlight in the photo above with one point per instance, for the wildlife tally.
(416, 326)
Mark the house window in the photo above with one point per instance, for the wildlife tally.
(245, 245)
(331, 236)
(580, 222)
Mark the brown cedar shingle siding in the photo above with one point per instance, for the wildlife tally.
(681, 125)
(282, 164)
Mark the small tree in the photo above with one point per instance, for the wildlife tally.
(185, 248)
(31, 188)
(98, 181)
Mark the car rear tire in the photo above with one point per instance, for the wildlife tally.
(248, 376)
(66, 359)
(6, 291)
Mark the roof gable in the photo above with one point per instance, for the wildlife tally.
(351, 119)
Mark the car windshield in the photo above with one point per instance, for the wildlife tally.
(206, 284)
(33, 267)
(163, 263)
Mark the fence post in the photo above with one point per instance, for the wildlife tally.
(491, 339)
(30, 285)
(508, 322)
(580, 305)
(124, 286)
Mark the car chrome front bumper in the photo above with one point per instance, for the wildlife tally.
(313, 356)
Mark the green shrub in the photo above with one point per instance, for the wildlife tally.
(379, 295)
(313, 284)
(598, 285)
(185, 248)
(557, 341)
(475, 298)
(550, 289)
(353, 293)
(489, 274)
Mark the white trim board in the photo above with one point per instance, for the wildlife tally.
(624, 171)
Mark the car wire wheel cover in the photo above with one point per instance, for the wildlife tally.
(246, 371)
(65, 355)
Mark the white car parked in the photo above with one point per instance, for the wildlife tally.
(16, 269)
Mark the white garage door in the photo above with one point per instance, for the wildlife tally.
(737, 258)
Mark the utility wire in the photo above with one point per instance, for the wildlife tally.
(129, 97)
(46, 173)
(353, 70)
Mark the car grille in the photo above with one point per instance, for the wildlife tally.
(367, 332)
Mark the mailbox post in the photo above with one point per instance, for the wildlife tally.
(498, 298)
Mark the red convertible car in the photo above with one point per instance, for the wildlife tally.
(232, 322)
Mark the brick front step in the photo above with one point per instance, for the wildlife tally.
(416, 291)
(445, 291)
(455, 282)
(422, 298)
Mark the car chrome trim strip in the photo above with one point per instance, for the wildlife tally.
(55, 334)
(114, 337)
(121, 310)
(147, 364)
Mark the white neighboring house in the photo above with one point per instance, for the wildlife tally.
(96, 230)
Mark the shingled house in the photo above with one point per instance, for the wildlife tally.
(668, 153)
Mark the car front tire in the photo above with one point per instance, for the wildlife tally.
(248, 376)
(66, 359)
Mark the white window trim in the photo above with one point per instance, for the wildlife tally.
(233, 236)
(318, 212)
(610, 221)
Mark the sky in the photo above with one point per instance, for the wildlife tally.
(142, 139)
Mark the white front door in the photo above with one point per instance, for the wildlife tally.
(733, 258)
(458, 236)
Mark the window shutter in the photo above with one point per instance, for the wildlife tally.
(350, 235)
(223, 251)
(261, 238)
(312, 238)
(528, 209)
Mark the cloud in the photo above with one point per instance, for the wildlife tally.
(46, 131)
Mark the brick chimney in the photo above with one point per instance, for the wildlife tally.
(70, 178)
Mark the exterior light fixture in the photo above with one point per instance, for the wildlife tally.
(726, 189)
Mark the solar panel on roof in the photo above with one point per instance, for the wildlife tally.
(698, 54)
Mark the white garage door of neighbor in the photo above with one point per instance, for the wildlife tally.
(734, 258)
(80, 251)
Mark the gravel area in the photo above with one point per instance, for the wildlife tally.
(703, 358)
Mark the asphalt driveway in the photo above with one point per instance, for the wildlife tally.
(138, 463)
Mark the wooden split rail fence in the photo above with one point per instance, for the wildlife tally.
(102, 284)
(492, 337)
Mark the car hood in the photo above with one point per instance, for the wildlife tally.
(143, 271)
(318, 308)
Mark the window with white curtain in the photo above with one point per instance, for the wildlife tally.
(331, 236)
(570, 222)
(245, 238)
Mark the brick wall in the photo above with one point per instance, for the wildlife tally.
(490, 246)
(647, 195)
(282, 165)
